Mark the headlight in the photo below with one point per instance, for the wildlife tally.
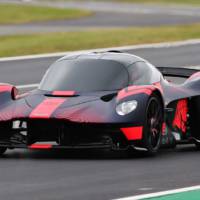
(126, 107)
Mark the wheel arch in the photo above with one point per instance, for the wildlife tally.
(158, 93)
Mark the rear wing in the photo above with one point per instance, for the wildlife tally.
(183, 72)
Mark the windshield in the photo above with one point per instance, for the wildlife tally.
(85, 75)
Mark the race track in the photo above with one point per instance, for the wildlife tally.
(15, 72)
(108, 15)
(99, 175)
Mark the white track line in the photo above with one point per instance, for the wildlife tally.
(159, 194)
(123, 48)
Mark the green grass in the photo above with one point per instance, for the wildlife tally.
(187, 2)
(18, 14)
(56, 42)
(191, 195)
(183, 2)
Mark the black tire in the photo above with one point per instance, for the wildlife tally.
(2, 150)
(154, 118)
(197, 146)
(194, 111)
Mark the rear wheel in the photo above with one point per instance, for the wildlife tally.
(197, 146)
(2, 150)
(153, 125)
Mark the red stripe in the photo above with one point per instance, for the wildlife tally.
(64, 93)
(5, 88)
(133, 133)
(46, 108)
(132, 90)
(40, 146)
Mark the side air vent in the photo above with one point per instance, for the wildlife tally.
(61, 95)
(114, 51)
(108, 97)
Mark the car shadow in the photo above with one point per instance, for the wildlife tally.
(96, 154)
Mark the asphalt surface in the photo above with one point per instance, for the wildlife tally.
(108, 15)
(94, 175)
(15, 72)
(99, 175)
(98, 20)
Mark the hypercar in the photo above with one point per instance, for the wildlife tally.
(110, 100)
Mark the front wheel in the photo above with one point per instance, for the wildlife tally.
(154, 118)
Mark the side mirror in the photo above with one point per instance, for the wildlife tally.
(14, 93)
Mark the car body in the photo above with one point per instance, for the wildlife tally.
(101, 100)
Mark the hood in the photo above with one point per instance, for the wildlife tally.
(77, 107)
(69, 98)
(96, 107)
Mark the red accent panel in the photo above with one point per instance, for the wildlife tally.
(5, 88)
(46, 108)
(132, 90)
(133, 133)
(164, 126)
(180, 118)
(64, 93)
(40, 146)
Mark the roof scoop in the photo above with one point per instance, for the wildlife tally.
(62, 94)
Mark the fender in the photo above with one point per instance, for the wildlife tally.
(193, 82)
(193, 77)
(173, 92)
(129, 93)
(141, 94)
(135, 90)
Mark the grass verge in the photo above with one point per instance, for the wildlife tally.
(18, 14)
(56, 42)
(183, 2)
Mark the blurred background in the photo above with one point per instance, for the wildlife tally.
(44, 26)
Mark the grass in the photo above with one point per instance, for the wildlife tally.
(18, 14)
(181, 2)
(187, 2)
(56, 42)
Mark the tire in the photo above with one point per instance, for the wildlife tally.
(197, 145)
(154, 118)
(2, 150)
(194, 112)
